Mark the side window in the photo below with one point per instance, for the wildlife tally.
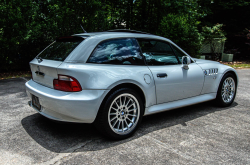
(157, 52)
(178, 53)
(117, 51)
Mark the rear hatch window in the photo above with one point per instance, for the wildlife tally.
(61, 48)
(44, 67)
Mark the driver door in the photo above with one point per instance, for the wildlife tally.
(172, 81)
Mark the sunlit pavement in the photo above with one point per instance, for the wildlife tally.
(196, 134)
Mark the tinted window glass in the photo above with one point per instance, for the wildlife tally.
(178, 53)
(117, 51)
(157, 52)
(59, 50)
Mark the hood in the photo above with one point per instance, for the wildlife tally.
(200, 61)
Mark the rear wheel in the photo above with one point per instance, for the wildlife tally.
(227, 90)
(121, 114)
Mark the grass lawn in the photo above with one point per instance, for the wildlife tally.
(17, 74)
(237, 65)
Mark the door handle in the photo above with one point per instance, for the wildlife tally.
(161, 75)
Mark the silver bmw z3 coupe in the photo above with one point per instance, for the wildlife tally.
(114, 78)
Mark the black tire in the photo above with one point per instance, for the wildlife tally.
(220, 101)
(121, 114)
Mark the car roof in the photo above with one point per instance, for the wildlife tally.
(91, 40)
(120, 34)
(111, 31)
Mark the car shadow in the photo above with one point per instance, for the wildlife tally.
(60, 136)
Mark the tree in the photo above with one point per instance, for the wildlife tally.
(234, 15)
(28, 26)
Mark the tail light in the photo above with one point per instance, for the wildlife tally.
(66, 83)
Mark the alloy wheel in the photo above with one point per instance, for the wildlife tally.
(228, 90)
(124, 113)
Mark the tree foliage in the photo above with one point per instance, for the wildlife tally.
(178, 29)
(215, 37)
(28, 26)
(234, 15)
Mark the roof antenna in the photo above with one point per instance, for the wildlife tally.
(83, 29)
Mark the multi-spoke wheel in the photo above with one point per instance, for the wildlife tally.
(121, 114)
(124, 113)
(227, 90)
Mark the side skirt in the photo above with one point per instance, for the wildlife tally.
(179, 103)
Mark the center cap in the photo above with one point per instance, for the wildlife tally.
(122, 113)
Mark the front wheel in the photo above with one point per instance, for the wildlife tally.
(121, 114)
(227, 90)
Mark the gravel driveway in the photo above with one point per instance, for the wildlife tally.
(199, 134)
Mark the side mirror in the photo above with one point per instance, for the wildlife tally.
(185, 62)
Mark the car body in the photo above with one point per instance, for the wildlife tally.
(78, 78)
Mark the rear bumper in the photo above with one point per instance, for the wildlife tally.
(81, 107)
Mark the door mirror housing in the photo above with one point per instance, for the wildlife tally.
(185, 62)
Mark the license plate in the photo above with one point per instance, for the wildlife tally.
(35, 102)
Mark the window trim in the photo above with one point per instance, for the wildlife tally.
(171, 45)
(144, 58)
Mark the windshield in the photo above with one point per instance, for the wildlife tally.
(60, 49)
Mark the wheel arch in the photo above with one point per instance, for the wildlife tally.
(125, 85)
(233, 72)
(236, 76)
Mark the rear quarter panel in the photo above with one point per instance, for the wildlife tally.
(105, 76)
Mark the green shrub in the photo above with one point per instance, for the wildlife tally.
(209, 34)
(185, 34)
